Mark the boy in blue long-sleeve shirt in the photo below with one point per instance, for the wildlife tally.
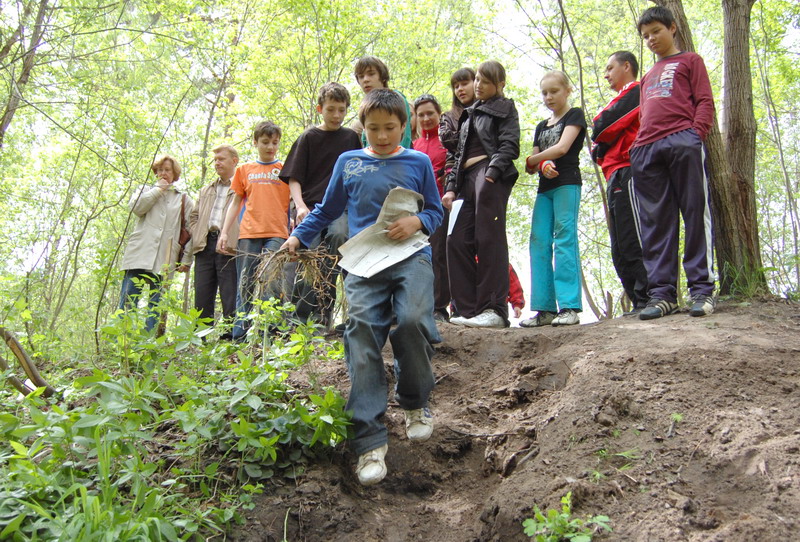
(360, 183)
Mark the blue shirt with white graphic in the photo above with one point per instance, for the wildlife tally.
(360, 182)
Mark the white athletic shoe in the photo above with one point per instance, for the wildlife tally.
(566, 317)
(419, 424)
(371, 468)
(487, 318)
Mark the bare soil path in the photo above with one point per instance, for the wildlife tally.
(679, 429)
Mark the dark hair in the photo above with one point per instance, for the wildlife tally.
(626, 56)
(494, 72)
(366, 62)
(428, 99)
(464, 74)
(334, 92)
(383, 99)
(266, 128)
(655, 14)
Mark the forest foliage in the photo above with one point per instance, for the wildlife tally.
(108, 86)
(90, 92)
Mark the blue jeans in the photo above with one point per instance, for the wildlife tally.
(246, 263)
(131, 292)
(555, 256)
(405, 289)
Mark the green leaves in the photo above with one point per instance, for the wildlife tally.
(555, 526)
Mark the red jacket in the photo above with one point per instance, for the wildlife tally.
(515, 295)
(430, 144)
(615, 129)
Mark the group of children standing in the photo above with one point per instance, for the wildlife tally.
(464, 170)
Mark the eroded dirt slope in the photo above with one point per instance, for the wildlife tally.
(681, 429)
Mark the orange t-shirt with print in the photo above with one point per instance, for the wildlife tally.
(266, 200)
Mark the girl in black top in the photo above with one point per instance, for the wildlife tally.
(556, 283)
(482, 177)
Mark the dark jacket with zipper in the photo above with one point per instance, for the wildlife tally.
(497, 125)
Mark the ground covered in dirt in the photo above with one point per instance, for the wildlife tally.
(679, 429)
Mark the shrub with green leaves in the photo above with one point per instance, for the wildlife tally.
(557, 526)
(167, 439)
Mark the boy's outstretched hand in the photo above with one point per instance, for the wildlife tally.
(403, 228)
(291, 244)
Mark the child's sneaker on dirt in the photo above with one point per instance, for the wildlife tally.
(542, 318)
(457, 320)
(371, 468)
(656, 308)
(566, 317)
(487, 318)
(702, 305)
(419, 424)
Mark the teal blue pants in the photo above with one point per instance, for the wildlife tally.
(555, 257)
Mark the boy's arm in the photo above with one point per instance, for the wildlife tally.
(431, 215)
(704, 98)
(296, 190)
(230, 217)
(332, 206)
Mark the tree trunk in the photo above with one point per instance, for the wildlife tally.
(28, 58)
(732, 163)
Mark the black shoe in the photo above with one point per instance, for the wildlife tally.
(656, 308)
(702, 305)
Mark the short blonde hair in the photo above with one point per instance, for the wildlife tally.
(229, 149)
(560, 77)
(176, 167)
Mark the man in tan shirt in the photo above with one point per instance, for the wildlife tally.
(214, 270)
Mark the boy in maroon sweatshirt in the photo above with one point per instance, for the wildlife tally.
(668, 163)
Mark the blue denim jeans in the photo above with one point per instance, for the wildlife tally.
(246, 263)
(555, 257)
(131, 292)
(405, 290)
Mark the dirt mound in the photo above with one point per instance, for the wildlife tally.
(679, 429)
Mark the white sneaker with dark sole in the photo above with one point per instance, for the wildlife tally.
(419, 424)
(371, 467)
(566, 317)
(487, 318)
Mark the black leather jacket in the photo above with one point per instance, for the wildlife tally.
(497, 125)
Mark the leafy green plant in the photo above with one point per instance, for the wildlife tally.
(556, 526)
(168, 440)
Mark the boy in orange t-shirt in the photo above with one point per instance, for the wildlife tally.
(264, 217)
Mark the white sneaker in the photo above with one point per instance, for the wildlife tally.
(487, 318)
(419, 424)
(566, 317)
(458, 320)
(371, 468)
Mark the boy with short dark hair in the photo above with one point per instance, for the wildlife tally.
(264, 224)
(668, 163)
(308, 170)
(361, 181)
(613, 133)
(371, 73)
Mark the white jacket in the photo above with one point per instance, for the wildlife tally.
(153, 245)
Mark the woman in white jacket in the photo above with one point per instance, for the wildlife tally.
(154, 247)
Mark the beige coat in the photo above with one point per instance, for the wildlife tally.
(153, 245)
(201, 214)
